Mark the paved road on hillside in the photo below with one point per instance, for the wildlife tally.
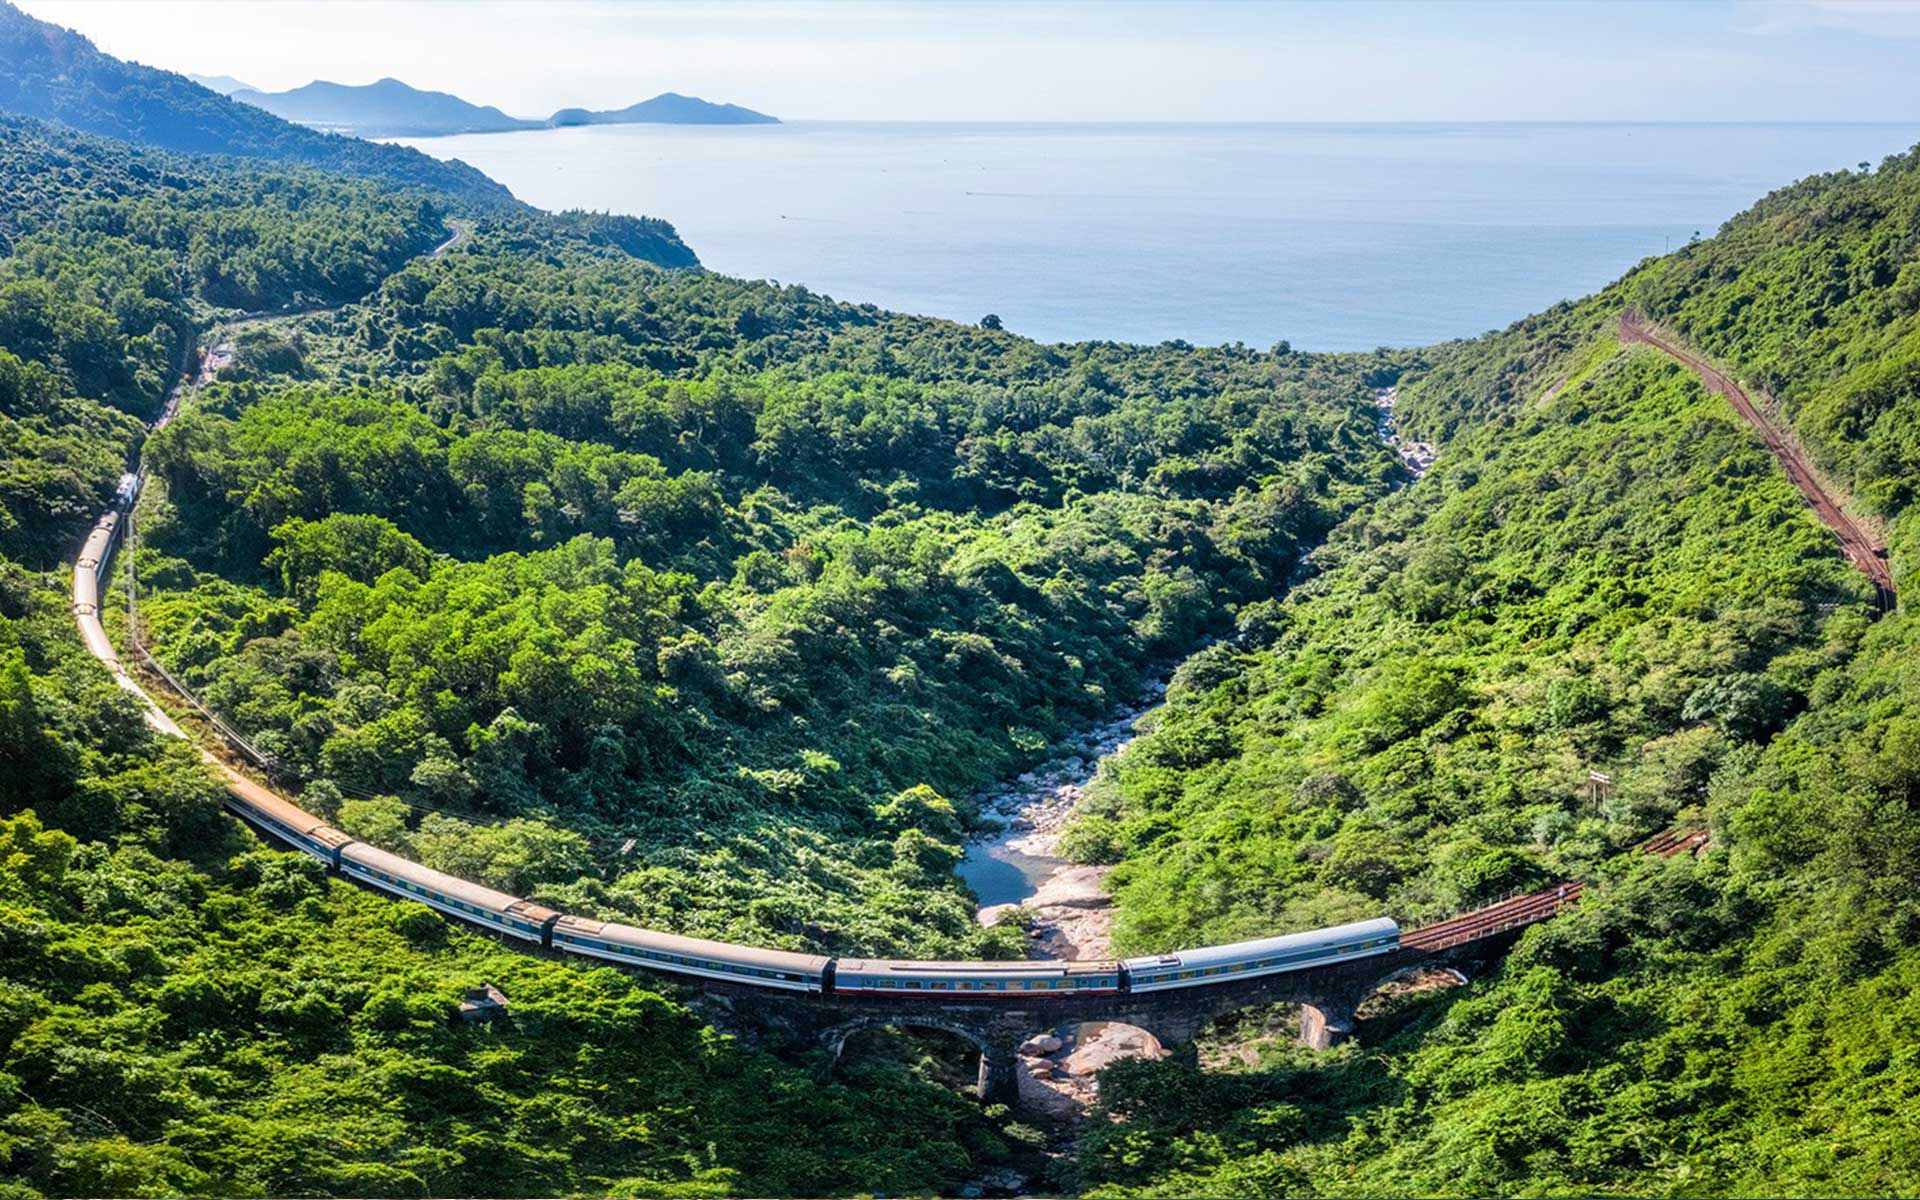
(1865, 550)
(460, 231)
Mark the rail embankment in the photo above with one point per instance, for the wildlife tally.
(1861, 544)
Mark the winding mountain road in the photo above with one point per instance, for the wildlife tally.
(1861, 546)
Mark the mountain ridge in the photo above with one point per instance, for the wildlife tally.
(53, 73)
(226, 85)
(390, 107)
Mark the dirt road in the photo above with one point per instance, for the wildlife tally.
(1860, 545)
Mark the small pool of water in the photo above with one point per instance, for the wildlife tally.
(1000, 874)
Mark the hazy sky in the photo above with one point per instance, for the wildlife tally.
(1443, 60)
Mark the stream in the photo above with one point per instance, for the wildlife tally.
(1069, 910)
(1019, 865)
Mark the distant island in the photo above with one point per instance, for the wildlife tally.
(391, 108)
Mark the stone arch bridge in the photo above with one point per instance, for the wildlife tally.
(1328, 996)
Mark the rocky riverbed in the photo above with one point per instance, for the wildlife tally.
(1417, 455)
(1019, 867)
(1069, 912)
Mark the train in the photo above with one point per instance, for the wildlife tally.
(626, 945)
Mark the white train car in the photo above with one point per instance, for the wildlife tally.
(1266, 956)
(86, 586)
(699, 957)
(482, 906)
(916, 980)
(275, 815)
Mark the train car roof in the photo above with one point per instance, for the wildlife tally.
(691, 947)
(1202, 956)
(279, 808)
(1025, 967)
(439, 881)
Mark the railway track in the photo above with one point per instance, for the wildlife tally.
(1859, 544)
(1534, 907)
(1670, 843)
(1528, 909)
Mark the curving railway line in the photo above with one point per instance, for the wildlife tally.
(911, 982)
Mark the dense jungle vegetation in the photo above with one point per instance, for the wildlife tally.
(618, 554)
(710, 603)
(112, 256)
(186, 1011)
(586, 549)
(1603, 572)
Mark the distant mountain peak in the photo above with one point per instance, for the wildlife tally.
(226, 85)
(679, 109)
(390, 107)
(53, 73)
(387, 107)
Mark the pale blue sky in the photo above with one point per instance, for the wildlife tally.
(1714, 60)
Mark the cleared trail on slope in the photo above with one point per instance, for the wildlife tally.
(1861, 547)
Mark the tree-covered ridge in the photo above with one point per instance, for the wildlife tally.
(656, 554)
(1616, 581)
(1603, 572)
(56, 74)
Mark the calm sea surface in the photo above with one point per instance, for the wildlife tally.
(1332, 237)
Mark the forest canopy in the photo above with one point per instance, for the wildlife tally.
(713, 605)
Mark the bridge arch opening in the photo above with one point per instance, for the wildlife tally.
(1398, 996)
(945, 1052)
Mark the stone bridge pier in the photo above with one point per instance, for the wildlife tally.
(1328, 998)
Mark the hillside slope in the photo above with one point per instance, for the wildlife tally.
(56, 74)
(1605, 572)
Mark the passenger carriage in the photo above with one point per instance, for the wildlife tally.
(909, 980)
(690, 956)
(483, 906)
(1265, 956)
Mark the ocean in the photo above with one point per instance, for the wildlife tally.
(1330, 237)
